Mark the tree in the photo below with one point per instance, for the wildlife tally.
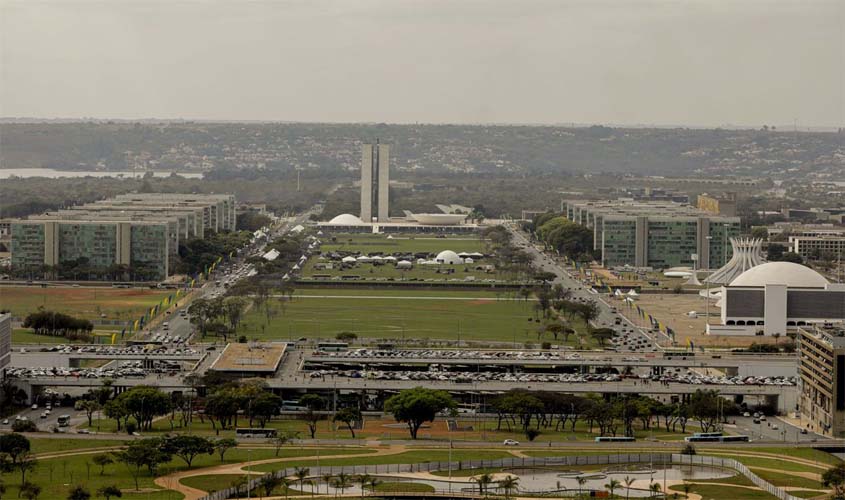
(188, 447)
(704, 407)
(793, 257)
(24, 426)
(342, 481)
(509, 484)
(654, 488)
(89, 406)
(346, 336)
(349, 416)
(14, 445)
(283, 439)
(301, 474)
(264, 407)
(760, 232)
(145, 403)
(314, 404)
(628, 482)
(149, 453)
(581, 482)
(364, 481)
(78, 493)
(612, 485)
(268, 483)
(233, 308)
(327, 479)
(102, 460)
(30, 491)
(26, 463)
(417, 406)
(483, 482)
(110, 491)
(835, 478)
(117, 410)
(224, 445)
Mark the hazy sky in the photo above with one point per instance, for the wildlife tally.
(706, 63)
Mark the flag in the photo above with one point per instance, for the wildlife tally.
(113, 337)
(137, 324)
(122, 333)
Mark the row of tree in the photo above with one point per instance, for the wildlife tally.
(564, 236)
(58, 324)
(532, 411)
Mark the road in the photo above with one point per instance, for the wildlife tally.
(606, 316)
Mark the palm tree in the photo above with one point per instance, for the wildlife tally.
(483, 481)
(509, 484)
(310, 483)
(341, 482)
(285, 484)
(374, 482)
(301, 473)
(687, 488)
(269, 483)
(628, 482)
(612, 485)
(364, 481)
(655, 489)
(327, 478)
(581, 482)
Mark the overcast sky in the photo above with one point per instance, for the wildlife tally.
(700, 63)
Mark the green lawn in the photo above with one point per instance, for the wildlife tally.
(780, 479)
(772, 463)
(91, 303)
(57, 476)
(408, 457)
(715, 492)
(805, 453)
(49, 445)
(434, 315)
(27, 336)
(380, 243)
(805, 493)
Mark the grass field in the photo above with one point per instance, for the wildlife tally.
(90, 303)
(380, 243)
(408, 457)
(58, 475)
(415, 315)
(718, 492)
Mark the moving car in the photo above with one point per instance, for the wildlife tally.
(510, 442)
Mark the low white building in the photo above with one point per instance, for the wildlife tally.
(776, 298)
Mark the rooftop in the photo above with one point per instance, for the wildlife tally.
(250, 357)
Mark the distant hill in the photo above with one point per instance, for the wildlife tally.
(242, 148)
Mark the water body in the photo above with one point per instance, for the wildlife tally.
(58, 174)
(564, 482)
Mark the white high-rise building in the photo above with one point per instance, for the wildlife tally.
(375, 182)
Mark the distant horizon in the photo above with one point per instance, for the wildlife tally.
(779, 127)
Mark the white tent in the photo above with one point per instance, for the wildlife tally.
(618, 293)
(404, 264)
(421, 261)
(376, 258)
(468, 261)
(476, 255)
(271, 255)
(463, 254)
(349, 260)
(633, 293)
(390, 237)
(364, 258)
(389, 258)
(297, 229)
(295, 267)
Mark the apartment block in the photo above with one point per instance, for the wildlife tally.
(821, 350)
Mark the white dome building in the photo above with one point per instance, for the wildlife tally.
(448, 257)
(780, 273)
(346, 220)
(777, 298)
